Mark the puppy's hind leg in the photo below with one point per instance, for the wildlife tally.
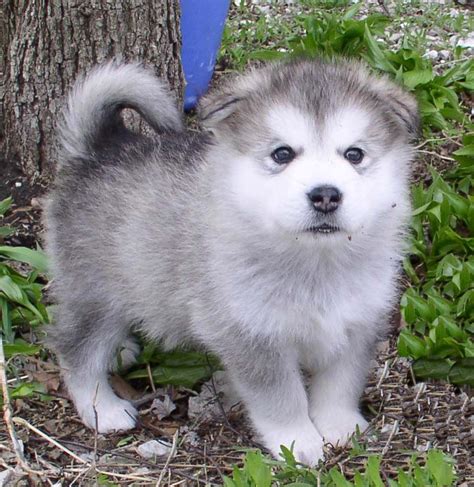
(86, 342)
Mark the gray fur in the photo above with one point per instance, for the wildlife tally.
(150, 234)
(94, 109)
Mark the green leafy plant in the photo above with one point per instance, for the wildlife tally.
(326, 34)
(437, 94)
(435, 470)
(20, 295)
(178, 367)
(439, 307)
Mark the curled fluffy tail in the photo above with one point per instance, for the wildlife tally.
(94, 105)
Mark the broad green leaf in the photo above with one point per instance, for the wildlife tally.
(229, 482)
(338, 479)
(412, 79)
(462, 372)
(467, 150)
(373, 471)
(36, 258)
(437, 369)
(27, 389)
(15, 293)
(5, 205)
(375, 55)
(258, 470)
(439, 468)
(299, 484)
(11, 290)
(288, 456)
(20, 347)
(184, 376)
(6, 232)
(7, 328)
(410, 345)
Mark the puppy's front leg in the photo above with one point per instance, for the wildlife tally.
(270, 384)
(335, 392)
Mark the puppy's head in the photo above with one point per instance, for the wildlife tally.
(313, 148)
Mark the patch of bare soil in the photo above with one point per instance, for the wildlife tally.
(406, 417)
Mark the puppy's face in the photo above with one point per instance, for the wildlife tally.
(315, 150)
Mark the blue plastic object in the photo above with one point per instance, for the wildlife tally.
(202, 24)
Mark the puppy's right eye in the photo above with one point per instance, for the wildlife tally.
(283, 155)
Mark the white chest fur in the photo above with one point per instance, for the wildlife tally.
(320, 306)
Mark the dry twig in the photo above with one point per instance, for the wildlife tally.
(168, 460)
(48, 438)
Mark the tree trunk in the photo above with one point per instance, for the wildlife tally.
(47, 43)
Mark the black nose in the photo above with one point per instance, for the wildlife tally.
(325, 198)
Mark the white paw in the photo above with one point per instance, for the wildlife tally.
(337, 426)
(100, 408)
(305, 439)
(126, 355)
(112, 415)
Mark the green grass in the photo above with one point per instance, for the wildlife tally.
(435, 470)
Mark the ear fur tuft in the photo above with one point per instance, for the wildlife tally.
(402, 104)
(215, 109)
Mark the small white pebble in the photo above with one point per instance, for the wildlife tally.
(467, 41)
(87, 456)
(433, 54)
(424, 447)
(444, 54)
(153, 448)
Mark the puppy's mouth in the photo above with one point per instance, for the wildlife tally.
(324, 228)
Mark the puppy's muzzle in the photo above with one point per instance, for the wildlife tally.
(325, 199)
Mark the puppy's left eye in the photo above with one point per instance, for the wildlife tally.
(283, 155)
(354, 155)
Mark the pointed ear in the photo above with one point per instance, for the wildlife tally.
(403, 106)
(213, 109)
(220, 104)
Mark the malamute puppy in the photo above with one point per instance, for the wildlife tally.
(273, 238)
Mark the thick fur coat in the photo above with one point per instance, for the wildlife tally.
(273, 238)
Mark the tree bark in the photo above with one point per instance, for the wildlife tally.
(47, 43)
